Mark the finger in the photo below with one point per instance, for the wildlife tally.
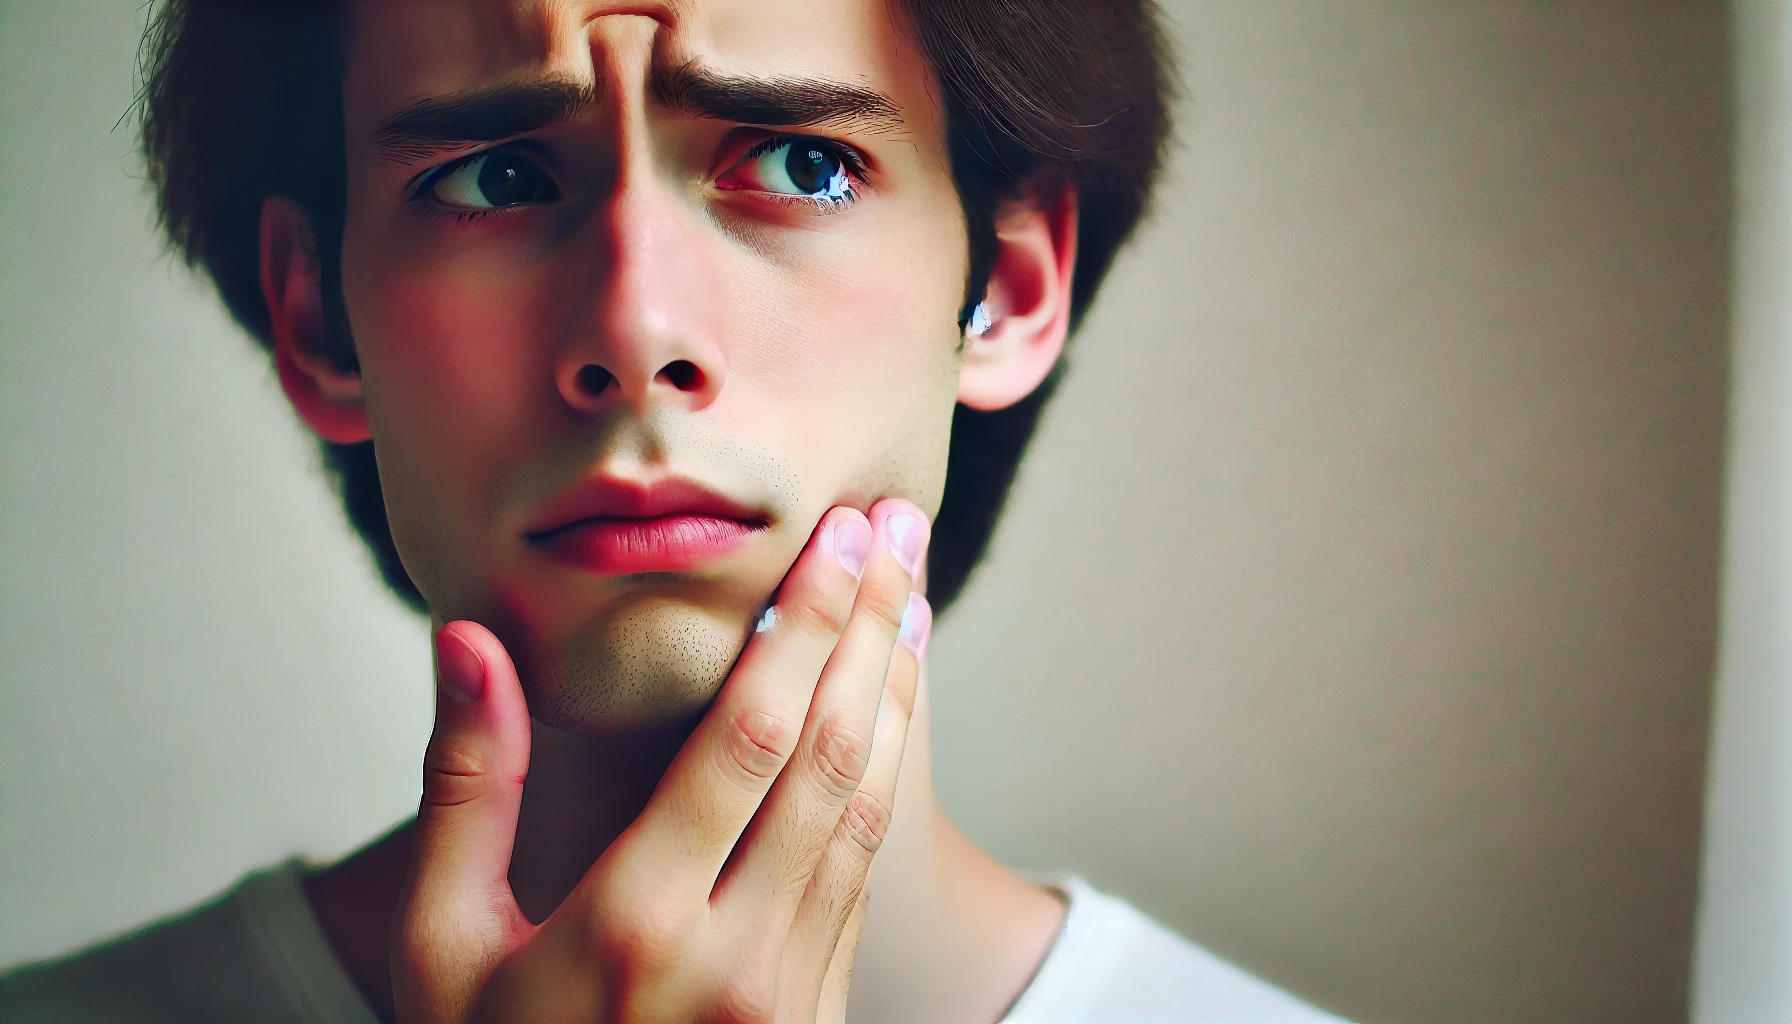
(821, 935)
(777, 856)
(456, 910)
(720, 776)
(831, 1008)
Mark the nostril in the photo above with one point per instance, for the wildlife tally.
(594, 379)
(683, 375)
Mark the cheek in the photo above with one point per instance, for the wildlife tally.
(450, 370)
(448, 347)
(858, 363)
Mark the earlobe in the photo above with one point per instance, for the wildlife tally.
(325, 395)
(1025, 318)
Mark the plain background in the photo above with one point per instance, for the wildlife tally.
(1741, 974)
(1355, 615)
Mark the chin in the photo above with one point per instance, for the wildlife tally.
(651, 663)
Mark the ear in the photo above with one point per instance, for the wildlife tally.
(326, 396)
(1028, 301)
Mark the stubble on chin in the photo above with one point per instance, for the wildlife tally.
(644, 668)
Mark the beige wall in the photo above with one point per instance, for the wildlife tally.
(1743, 967)
(1355, 614)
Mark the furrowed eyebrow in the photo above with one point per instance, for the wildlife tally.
(430, 126)
(695, 91)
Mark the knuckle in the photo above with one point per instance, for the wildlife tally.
(644, 934)
(841, 756)
(866, 822)
(885, 605)
(818, 615)
(899, 689)
(759, 744)
(749, 997)
(454, 773)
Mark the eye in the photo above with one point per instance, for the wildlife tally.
(492, 181)
(797, 165)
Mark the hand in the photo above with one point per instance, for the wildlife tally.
(735, 895)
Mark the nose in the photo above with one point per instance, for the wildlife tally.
(647, 335)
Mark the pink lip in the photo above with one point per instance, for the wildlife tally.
(675, 543)
(615, 527)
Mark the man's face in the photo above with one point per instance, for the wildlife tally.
(639, 291)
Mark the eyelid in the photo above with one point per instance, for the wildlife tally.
(425, 181)
(420, 186)
(857, 165)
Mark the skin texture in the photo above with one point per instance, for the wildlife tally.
(793, 357)
(469, 335)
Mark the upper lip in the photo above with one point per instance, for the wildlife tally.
(613, 498)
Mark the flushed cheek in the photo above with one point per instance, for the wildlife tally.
(858, 366)
(451, 345)
(863, 405)
(864, 328)
(448, 382)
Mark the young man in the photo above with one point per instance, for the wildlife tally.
(645, 337)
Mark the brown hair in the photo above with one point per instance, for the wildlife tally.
(243, 100)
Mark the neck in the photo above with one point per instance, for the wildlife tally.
(949, 934)
(582, 792)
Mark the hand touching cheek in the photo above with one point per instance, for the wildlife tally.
(733, 896)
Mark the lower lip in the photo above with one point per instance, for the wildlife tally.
(620, 547)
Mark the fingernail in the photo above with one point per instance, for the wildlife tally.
(908, 536)
(852, 543)
(917, 625)
(459, 668)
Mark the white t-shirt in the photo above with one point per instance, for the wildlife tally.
(258, 955)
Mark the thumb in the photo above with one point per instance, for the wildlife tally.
(457, 915)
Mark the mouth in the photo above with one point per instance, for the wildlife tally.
(620, 528)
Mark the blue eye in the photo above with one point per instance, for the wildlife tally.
(797, 165)
(493, 181)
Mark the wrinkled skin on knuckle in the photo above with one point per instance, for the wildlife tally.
(820, 617)
(454, 774)
(886, 603)
(841, 756)
(758, 745)
(866, 822)
(899, 690)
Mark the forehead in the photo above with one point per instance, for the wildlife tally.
(403, 50)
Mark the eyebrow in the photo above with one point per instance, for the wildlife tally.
(695, 91)
(430, 126)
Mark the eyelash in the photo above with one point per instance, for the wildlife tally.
(462, 218)
(855, 162)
